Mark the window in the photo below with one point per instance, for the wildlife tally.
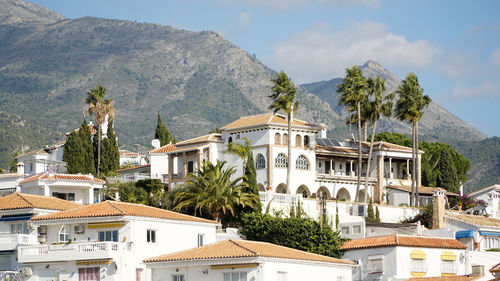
(71, 197)
(260, 162)
(151, 236)
(356, 229)
(235, 276)
(190, 168)
(64, 234)
(64, 196)
(201, 238)
(282, 276)
(281, 161)
(418, 265)
(306, 141)
(298, 140)
(138, 272)
(345, 229)
(375, 265)
(178, 277)
(491, 242)
(230, 140)
(448, 266)
(302, 163)
(20, 228)
(91, 273)
(277, 138)
(285, 139)
(110, 235)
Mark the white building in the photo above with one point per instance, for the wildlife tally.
(320, 166)
(483, 194)
(47, 159)
(9, 183)
(83, 189)
(399, 257)
(109, 240)
(15, 230)
(240, 260)
(131, 158)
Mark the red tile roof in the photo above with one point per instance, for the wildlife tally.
(403, 240)
(21, 201)
(114, 208)
(243, 249)
(200, 139)
(422, 190)
(266, 119)
(445, 278)
(63, 177)
(133, 168)
(164, 149)
(474, 220)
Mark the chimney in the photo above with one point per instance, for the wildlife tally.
(493, 204)
(438, 209)
(20, 168)
(323, 131)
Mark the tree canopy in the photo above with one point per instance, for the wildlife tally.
(162, 133)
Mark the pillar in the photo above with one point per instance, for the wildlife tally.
(170, 166)
(351, 173)
(270, 166)
(408, 174)
(379, 185)
(200, 158)
(184, 165)
(390, 168)
(91, 196)
(438, 209)
(332, 168)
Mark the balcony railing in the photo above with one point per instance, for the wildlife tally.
(129, 177)
(279, 197)
(11, 241)
(73, 251)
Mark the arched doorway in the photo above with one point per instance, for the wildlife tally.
(343, 195)
(323, 192)
(281, 188)
(361, 196)
(304, 191)
(261, 187)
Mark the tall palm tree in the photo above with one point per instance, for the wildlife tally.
(284, 98)
(365, 115)
(212, 190)
(379, 105)
(101, 108)
(409, 108)
(352, 91)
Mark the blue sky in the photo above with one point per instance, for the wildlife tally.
(452, 45)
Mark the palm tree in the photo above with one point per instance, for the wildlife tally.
(378, 106)
(365, 115)
(352, 91)
(283, 98)
(212, 190)
(409, 108)
(102, 108)
(240, 150)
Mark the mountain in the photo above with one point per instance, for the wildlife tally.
(197, 80)
(22, 12)
(436, 124)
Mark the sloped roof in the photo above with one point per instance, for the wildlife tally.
(124, 152)
(495, 268)
(205, 138)
(243, 249)
(166, 148)
(265, 119)
(422, 190)
(403, 240)
(11, 175)
(445, 278)
(474, 220)
(63, 177)
(114, 208)
(140, 167)
(22, 201)
(492, 187)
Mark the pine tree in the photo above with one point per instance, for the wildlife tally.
(162, 133)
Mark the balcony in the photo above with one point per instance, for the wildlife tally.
(73, 251)
(9, 242)
(129, 178)
(337, 176)
(266, 197)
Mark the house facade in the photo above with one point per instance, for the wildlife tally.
(241, 260)
(108, 241)
(47, 159)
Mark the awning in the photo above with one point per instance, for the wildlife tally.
(448, 256)
(489, 233)
(92, 262)
(418, 255)
(18, 217)
(464, 234)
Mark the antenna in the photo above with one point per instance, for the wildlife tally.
(155, 143)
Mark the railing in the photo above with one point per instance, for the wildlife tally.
(341, 177)
(97, 246)
(33, 250)
(279, 197)
(11, 275)
(129, 177)
(18, 239)
(86, 247)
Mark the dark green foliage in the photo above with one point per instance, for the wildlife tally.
(86, 138)
(73, 154)
(155, 190)
(424, 216)
(110, 156)
(298, 233)
(129, 192)
(337, 220)
(465, 202)
(377, 214)
(370, 216)
(162, 133)
(394, 138)
(13, 162)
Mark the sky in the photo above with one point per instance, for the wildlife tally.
(452, 45)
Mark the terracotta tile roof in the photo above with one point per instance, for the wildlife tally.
(166, 148)
(127, 153)
(403, 240)
(242, 249)
(422, 190)
(42, 151)
(21, 201)
(114, 208)
(445, 278)
(205, 138)
(11, 175)
(474, 220)
(338, 149)
(266, 119)
(63, 177)
(190, 148)
(133, 168)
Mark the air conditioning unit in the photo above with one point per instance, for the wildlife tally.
(31, 225)
(42, 230)
(42, 239)
(26, 271)
(79, 229)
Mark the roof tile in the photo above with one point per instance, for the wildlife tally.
(265, 119)
(166, 148)
(403, 240)
(445, 278)
(21, 201)
(63, 177)
(474, 220)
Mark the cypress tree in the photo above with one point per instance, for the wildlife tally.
(110, 156)
(370, 214)
(88, 148)
(162, 133)
(73, 154)
(377, 215)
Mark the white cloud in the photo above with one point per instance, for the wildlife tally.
(286, 4)
(495, 58)
(485, 89)
(318, 53)
(457, 65)
(244, 19)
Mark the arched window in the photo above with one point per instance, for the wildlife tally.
(63, 234)
(260, 161)
(285, 139)
(298, 141)
(302, 163)
(306, 141)
(281, 161)
(230, 140)
(277, 138)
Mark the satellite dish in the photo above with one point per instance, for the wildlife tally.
(155, 143)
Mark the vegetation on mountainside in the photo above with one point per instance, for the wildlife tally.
(162, 133)
(442, 166)
(295, 232)
(284, 98)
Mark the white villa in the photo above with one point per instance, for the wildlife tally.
(108, 241)
(47, 159)
(319, 165)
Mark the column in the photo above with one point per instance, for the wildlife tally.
(200, 158)
(408, 174)
(91, 196)
(390, 168)
(170, 166)
(184, 165)
(270, 165)
(351, 173)
(377, 193)
(332, 168)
